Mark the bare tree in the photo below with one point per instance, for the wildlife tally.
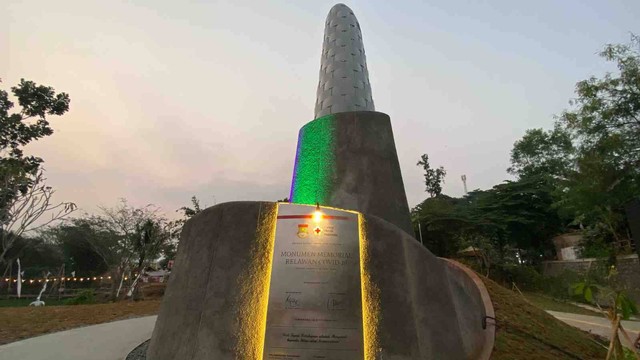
(25, 212)
(128, 239)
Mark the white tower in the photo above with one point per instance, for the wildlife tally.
(344, 79)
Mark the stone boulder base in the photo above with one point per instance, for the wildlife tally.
(421, 307)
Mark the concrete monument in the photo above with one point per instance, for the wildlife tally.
(335, 274)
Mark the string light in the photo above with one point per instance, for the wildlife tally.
(94, 278)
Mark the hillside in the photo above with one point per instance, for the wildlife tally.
(527, 332)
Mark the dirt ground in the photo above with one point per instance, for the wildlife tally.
(18, 323)
(523, 331)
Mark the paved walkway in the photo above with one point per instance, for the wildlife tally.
(598, 325)
(109, 341)
(114, 340)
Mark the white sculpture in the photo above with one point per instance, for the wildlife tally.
(344, 79)
(19, 282)
(37, 303)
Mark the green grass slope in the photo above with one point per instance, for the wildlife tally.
(527, 332)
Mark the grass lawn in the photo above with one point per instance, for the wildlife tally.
(525, 331)
(26, 301)
(548, 303)
(24, 322)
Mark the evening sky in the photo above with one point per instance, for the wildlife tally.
(177, 98)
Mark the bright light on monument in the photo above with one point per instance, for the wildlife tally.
(317, 216)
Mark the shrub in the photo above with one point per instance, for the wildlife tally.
(83, 297)
(526, 277)
(559, 286)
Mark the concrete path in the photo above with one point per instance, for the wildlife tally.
(109, 341)
(598, 325)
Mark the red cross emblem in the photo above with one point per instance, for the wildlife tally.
(317, 230)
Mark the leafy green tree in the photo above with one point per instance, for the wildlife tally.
(442, 222)
(19, 129)
(593, 152)
(24, 196)
(542, 152)
(515, 217)
(606, 111)
(519, 214)
(78, 254)
(433, 178)
(605, 122)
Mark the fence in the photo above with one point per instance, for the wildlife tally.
(628, 270)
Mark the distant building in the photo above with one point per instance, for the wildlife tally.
(567, 246)
(155, 276)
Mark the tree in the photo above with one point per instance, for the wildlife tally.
(605, 122)
(542, 152)
(442, 223)
(128, 239)
(24, 197)
(71, 236)
(433, 178)
(593, 153)
(19, 129)
(26, 208)
(515, 215)
(170, 248)
(519, 214)
(606, 111)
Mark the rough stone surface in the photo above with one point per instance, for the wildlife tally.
(140, 352)
(426, 309)
(344, 79)
(436, 306)
(368, 177)
(199, 315)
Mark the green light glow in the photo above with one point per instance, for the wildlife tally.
(314, 165)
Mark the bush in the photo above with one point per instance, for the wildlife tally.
(559, 286)
(526, 277)
(83, 297)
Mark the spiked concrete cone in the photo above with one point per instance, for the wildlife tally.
(344, 78)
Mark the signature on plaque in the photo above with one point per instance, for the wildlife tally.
(292, 301)
(336, 302)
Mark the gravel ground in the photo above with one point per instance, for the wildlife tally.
(140, 352)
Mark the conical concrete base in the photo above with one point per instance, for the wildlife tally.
(348, 160)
